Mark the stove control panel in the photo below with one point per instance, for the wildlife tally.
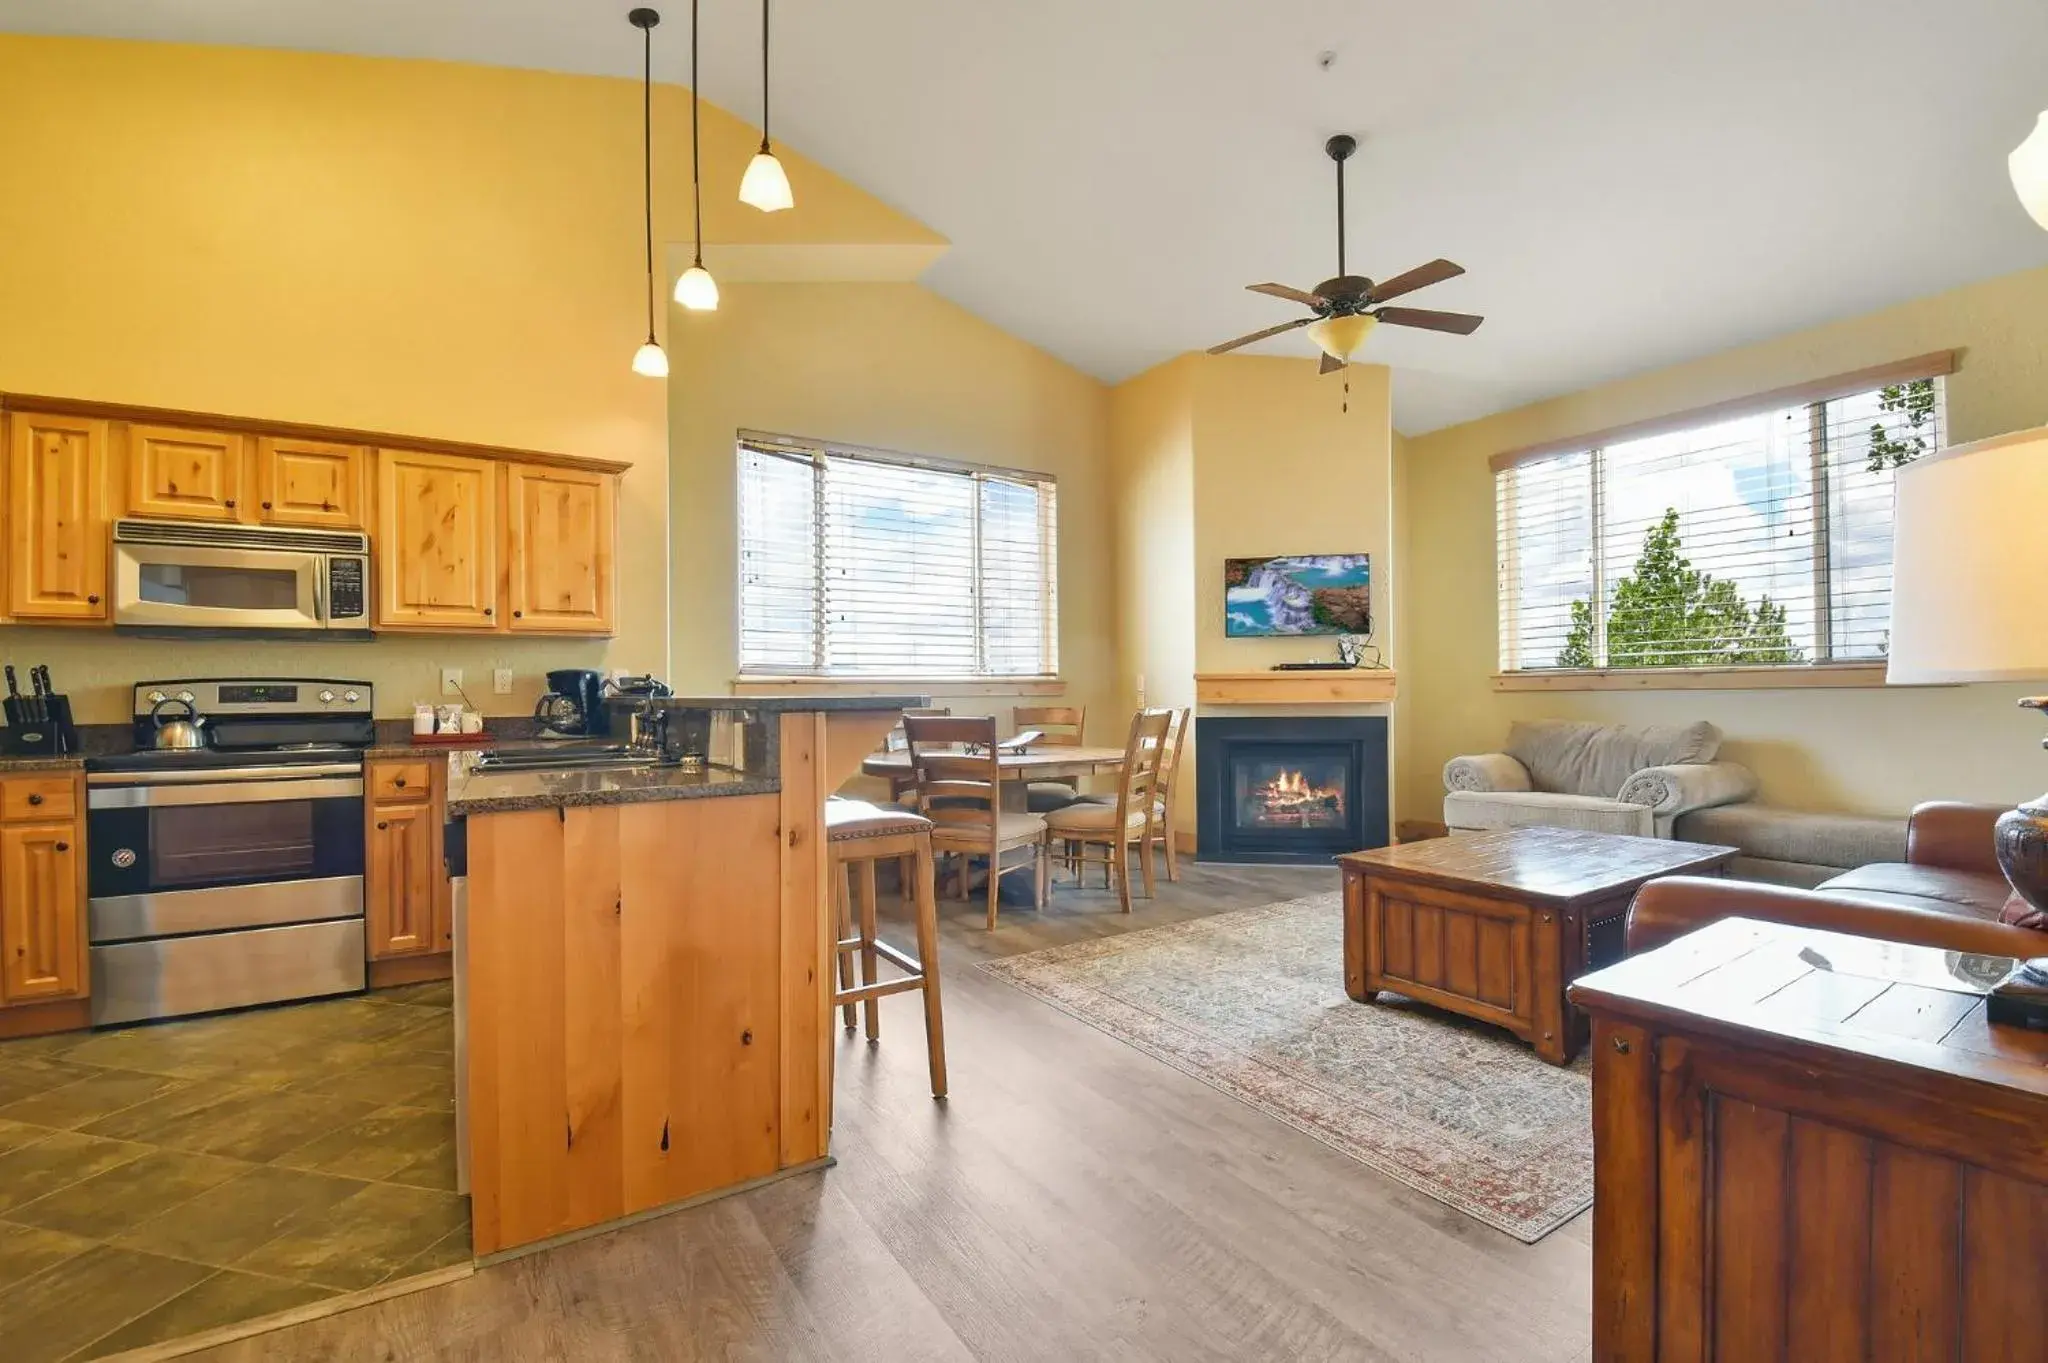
(255, 696)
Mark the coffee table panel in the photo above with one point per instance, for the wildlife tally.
(1468, 952)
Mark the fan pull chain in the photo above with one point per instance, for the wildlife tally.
(1347, 388)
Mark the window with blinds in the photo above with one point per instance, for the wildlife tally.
(1761, 539)
(862, 563)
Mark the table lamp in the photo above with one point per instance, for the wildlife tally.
(1966, 603)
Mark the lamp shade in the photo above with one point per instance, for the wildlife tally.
(766, 184)
(650, 361)
(697, 290)
(2029, 166)
(1340, 337)
(1966, 544)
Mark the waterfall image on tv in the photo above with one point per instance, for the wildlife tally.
(1297, 594)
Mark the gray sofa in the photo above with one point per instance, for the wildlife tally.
(1606, 778)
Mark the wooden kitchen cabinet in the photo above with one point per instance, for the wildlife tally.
(315, 484)
(560, 550)
(185, 474)
(42, 891)
(436, 542)
(57, 536)
(405, 884)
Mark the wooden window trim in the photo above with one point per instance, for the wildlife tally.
(757, 684)
(1935, 364)
(1792, 677)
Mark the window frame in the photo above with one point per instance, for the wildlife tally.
(1823, 672)
(762, 678)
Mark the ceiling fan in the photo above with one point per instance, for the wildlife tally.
(1348, 307)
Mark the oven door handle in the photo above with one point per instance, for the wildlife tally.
(225, 792)
(207, 775)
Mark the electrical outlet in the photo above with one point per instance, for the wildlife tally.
(451, 681)
(501, 681)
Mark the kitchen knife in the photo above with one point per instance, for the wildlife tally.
(35, 678)
(13, 687)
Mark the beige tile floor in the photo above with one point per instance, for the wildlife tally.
(159, 1181)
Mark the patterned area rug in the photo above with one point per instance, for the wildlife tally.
(1252, 1002)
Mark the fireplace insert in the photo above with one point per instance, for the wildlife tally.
(1290, 790)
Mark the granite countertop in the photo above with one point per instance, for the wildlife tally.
(782, 704)
(40, 762)
(473, 792)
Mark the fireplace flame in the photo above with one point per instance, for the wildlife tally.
(1291, 791)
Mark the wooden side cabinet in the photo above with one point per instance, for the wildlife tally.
(406, 888)
(42, 890)
(437, 542)
(1809, 1146)
(316, 484)
(58, 541)
(184, 474)
(560, 550)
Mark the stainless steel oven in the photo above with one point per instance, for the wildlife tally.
(192, 575)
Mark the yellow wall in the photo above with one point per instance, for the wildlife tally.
(1876, 750)
(1152, 451)
(415, 247)
(897, 367)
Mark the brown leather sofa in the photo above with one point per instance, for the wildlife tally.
(1948, 893)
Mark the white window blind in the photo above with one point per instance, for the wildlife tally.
(1755, 540)
(863, 563)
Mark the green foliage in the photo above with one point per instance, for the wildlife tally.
(1915, 401)
(1667, 613)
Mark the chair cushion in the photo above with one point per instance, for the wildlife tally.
(1011, 827)
(1796, 835)
(1472, 811)
(1088, 817)
(1576, 757)
(846, 820)
(1043, 797)
(1969, 894)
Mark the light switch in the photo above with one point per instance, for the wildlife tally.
(451, 681)
(501, 681)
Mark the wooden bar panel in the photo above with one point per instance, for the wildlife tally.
(592, 1017)
(1748, 1232)
(1828, 1254)
(2004, 1250)
(1624, 1171)
(1681, 1208)
(806, 1042)
(1913, 1228)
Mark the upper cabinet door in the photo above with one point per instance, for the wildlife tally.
(437, 542)
(57, 541)
(312, 483)
(185, 474)
(560, 549)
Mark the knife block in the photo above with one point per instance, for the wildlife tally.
(50, 733)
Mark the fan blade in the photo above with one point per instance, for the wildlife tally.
(1421, 277)
(1331, 364)
(1307, 300)
(1463, 323)
(1260, 335)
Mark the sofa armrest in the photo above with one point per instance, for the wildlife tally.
(1669, 908)
(1675, 790)
(1486, 772)
(1957, 836)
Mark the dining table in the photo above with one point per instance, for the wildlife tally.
(1020, 767)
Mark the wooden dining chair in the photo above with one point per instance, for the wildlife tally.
(1115, 826)
(961, 792)
(902, 788)
(1062, 727)
(1161, 830)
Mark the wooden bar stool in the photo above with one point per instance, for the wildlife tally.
(860, 834)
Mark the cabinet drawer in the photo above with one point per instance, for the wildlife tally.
(399, 782)
(37, 797)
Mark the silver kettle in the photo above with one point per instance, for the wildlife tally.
(184, 731)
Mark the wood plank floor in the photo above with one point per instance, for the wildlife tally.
(1074, 1199)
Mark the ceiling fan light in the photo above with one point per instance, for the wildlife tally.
(766, 185)
(650, 361)
(1340, 337)
(2029, 166)
(697, 290)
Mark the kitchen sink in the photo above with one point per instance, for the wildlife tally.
(608, 757)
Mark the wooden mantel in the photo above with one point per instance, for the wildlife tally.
(1357, 686)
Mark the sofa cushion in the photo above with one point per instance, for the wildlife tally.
(1972, 894)
(1769, 833)
(1576, 757)
(1474, 811)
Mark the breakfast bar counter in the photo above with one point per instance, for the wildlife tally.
(643, 967)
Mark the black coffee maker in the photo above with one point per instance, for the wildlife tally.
(574, 704)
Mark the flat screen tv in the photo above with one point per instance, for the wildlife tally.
(1297, 594)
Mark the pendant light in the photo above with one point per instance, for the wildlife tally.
(696, 290)
(765, 186)
(2029, 166)
(649, 360)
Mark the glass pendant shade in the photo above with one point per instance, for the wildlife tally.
(2029, 166)
(651, 361)
(1340, 337)
(697, 290)
(765, 185)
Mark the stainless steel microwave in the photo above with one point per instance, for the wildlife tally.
(175, 575)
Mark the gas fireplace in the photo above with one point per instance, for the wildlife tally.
(1297, 789)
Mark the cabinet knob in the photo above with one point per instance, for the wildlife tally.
(92, 600)
(229, 504)
(382, 826)
(518, 615)
(488, 611)
(398, 781)
(63, 847)
(35, 799)
(266, 507)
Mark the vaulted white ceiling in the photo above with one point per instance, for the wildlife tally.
(1628, 183)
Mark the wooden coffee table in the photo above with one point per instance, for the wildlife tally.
(1494, 926)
